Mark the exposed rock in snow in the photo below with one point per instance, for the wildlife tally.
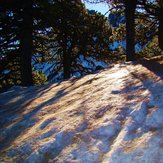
(114, 116)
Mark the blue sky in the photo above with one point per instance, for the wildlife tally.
(100, 7)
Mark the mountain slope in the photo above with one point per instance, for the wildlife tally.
(112, 116)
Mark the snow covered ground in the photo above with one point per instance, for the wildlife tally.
(113, 116)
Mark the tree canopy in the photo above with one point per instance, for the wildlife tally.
(65, 37)
(55, 32)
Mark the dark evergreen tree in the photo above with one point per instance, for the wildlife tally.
(78, 33)
(21, 23)
(130, 7)
(26, 42)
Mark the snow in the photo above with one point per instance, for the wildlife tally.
(113, 116)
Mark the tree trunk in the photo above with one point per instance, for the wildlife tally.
(66, 54)
(66, 66)
(26, 43)
(130, 6)
(160, 29)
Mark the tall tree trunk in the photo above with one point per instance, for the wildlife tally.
(160, 28)
(66, 56)
(66, 66)
(130, 6)
(26, 43)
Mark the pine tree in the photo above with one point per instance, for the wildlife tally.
(77, 33)
(20, 27)
(130, 7)
(26, 42)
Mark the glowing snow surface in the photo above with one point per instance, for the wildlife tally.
(114, 116)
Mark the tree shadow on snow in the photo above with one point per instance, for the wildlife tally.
(14, 103)
(17, 100)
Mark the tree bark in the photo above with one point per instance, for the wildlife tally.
(66, 66)
(26, 43)
(130, 7)
(66, 56)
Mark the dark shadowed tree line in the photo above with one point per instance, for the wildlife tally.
(62, 34)
(48, 31)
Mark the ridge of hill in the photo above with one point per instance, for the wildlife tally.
(113, 116)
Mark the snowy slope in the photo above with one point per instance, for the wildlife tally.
(114, 116)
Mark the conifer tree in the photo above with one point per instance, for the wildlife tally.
(20, 25)
(78, 33)
(130, 7)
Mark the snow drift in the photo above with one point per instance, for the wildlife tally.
(113, 116)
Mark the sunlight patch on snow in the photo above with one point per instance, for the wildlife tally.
(118, 74)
